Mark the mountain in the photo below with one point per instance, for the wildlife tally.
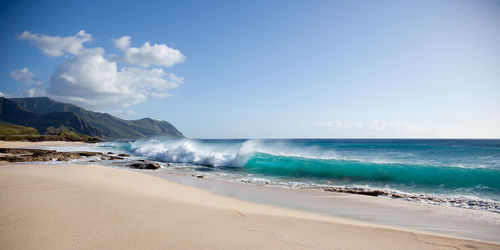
(42, 113)
(11, 112)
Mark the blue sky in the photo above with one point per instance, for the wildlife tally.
(265, 69)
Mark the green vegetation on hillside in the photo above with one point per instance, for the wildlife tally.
(17, 130)
(21, 133)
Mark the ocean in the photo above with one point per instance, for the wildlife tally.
(452, 172)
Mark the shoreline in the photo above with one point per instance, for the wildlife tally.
(89, 206)
(379, 210)
(332, 208)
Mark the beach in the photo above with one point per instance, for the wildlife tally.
(70, 206)
(250, 125)
(27, 144)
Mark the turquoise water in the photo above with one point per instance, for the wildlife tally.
(460, 172)
(414, 176)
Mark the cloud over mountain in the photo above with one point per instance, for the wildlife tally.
(25, 76)
(91, 79)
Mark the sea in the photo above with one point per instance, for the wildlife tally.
(452, 172)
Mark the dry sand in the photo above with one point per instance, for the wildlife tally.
(96, 207)
(26, 144)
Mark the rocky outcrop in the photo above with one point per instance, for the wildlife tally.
(31, 155)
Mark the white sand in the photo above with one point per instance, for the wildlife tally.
(25, 144)
(96, 207)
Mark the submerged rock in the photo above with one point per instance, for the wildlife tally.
(356, 191)
(111, 157)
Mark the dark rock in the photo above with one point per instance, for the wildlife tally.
(136, 165)
(110, 157)
(124, 155)
(17, 151)
(355, 191)
(85, 153)
(394, 195)
(30, 155)
(110, 153)
(146, 165)
(152, 166)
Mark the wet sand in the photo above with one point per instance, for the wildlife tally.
(452, 221)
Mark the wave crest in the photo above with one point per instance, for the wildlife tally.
(192, 152)
(222, 153)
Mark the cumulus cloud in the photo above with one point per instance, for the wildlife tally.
(93, 80)
(147, 54)
(371, 125)
(56, 45)
(25, 76)
(123, 42)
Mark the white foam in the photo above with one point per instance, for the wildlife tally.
(234, 154)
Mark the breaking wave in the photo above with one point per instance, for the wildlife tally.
(397, 169)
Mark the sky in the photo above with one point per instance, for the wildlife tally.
(265, 69)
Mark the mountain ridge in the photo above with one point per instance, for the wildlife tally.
(43, 112)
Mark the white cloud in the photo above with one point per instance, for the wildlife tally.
(34, 92)
(90, 80)
(25, 76)
(371, 125)
(93, 80)
(147, 54)
(123, 42)
(56, 45)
